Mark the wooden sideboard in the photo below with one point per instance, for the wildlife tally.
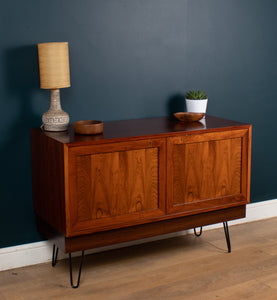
(140, 178)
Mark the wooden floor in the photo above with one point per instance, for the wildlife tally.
(184, 267)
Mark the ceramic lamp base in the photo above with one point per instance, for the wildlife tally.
(55, 119)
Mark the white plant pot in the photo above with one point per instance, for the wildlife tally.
(198, 106)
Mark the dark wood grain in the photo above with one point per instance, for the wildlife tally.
(100, 239)
(113, 186)
(206, 171)
(143, 128)
(48, 180)
(140, 178)
(116, 183)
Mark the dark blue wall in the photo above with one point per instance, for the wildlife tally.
(134, 59)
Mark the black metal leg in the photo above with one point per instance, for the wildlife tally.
(227, 236)
(197, 234)
(80, 270)
(54, 255)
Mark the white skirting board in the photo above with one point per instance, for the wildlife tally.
(41, 252)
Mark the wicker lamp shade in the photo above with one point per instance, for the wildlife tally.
(54, 65)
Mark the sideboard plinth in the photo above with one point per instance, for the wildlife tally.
(127, 234)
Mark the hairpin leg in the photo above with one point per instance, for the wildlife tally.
(54, 255)
(197, 234)
(227, 236)
(80, 270)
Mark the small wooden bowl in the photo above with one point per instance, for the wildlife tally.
(88, 127)
(188, 116)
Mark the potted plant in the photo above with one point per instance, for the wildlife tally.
(196, 101)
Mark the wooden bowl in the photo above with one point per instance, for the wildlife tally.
(88, 127)
(188, 116)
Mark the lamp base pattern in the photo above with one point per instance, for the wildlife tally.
(55, 119)
(55, 123)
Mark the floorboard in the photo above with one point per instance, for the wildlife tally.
(185, 267)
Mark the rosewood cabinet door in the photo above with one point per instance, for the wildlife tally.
(115, 185)
(208, 171)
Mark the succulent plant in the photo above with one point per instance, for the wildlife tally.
(196, 95)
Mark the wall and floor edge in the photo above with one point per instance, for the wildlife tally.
(41, 252)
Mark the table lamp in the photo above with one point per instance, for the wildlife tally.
(54, 74)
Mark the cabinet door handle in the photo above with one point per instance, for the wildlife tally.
(150, 143)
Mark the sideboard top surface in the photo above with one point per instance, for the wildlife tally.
(139, 128)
